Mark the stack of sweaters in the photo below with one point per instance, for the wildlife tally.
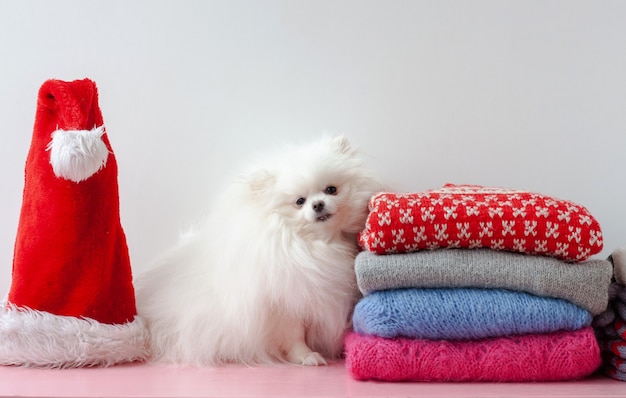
(611, 324)
(467, 283)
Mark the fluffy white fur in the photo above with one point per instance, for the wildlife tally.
(76, 155)
(40, 339)
(268, 279)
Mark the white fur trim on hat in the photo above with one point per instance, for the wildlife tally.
(76, 155)
(41, 339)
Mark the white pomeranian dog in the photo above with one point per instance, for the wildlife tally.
(270, 277)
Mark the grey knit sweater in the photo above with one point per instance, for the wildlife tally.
(584, 283)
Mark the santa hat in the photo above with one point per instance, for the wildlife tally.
(71, 301)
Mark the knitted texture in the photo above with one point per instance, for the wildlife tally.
(473, 216)
(464, 313)
(610, 326)
(618, 363)
(614, 367)
(611, 332)
(535, 357)
(617, 348)
(584, 284)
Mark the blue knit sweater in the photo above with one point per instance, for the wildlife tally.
(467, 313)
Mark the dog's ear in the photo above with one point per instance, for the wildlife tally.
(260, 181)
(341, 144)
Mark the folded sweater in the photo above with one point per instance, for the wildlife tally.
(614, 367)
(463, 314)
(470, 216)
(534, 357)
(612, 339)
(610, 325)
(584, 284)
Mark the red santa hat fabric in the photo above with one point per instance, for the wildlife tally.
(71, 301)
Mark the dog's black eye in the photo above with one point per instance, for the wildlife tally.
(331, 190)
(300, 201)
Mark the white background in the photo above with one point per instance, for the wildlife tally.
(520, 94)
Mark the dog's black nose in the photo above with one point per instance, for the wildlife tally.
(318, 206)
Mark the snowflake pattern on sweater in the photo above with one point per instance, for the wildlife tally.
(470, 216)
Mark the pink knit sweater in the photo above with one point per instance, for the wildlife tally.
(534, 357)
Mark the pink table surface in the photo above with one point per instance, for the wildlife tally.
(141, 380)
